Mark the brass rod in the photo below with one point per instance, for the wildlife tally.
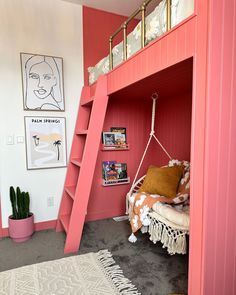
(117, 31)
(143, 10)
(110, 54)
(168, 15)
(137, 11)
(125, 41)
(123, 27)
(147, 2)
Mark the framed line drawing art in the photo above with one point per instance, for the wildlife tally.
(42, 82)
(45, 139)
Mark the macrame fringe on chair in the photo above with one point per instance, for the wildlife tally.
(172, 237)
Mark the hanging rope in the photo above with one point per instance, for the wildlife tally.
(154, 98)
(152, 135)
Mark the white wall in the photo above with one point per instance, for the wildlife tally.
(50, 27)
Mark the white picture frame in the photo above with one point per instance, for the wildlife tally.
(45, 139)
(42, 82)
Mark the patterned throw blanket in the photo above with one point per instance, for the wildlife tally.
(140, 204)
(139, 207)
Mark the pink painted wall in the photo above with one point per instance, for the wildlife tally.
(131, 108)
(98, 25)
(219, 256)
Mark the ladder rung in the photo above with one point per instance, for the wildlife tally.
(76, 162)
(87, 101)
(65, 220)
(81, 131)
(71, 191)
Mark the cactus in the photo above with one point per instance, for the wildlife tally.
(27, 203)
(13, 202)
(20, 202)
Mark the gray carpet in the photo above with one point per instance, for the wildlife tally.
(150, 268)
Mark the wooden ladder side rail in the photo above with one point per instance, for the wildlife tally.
(85, 179)
(63, 209)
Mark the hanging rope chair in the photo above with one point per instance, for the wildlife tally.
(137, 183)
(172, 236)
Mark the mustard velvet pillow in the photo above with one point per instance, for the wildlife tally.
(163, 181)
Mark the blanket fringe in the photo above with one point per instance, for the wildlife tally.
(172, 239)
(132, 238)
(144, 229)
(114, 272)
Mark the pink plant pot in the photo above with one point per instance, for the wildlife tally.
(21, 230)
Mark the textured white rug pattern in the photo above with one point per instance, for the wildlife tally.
(87, 274)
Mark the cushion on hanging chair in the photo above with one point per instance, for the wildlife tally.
(178, 217)
(163, 181)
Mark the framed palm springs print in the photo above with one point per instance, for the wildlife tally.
(42, 82)
(45, 142)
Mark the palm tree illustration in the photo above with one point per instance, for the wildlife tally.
(38, 138)
(35, 137)
(57, 143)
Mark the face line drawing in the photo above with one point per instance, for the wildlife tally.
(43, 83)
(43, 87)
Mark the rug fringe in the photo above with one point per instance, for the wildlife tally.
(124, 285)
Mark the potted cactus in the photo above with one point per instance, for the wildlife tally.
(21, 222)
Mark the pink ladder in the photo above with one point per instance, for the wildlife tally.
(83, 156)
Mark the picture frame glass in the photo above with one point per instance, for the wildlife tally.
(42, 82)
(45, 142)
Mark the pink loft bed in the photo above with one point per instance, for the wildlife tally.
(164, 17)
(126, 80)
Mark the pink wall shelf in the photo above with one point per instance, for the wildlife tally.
(115, 181)
(123, 147)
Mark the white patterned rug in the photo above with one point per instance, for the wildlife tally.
(87, 274)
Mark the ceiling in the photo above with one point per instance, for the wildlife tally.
(122, 7)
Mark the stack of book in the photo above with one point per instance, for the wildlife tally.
(113, 172)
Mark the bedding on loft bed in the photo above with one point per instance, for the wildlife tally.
(155, 26)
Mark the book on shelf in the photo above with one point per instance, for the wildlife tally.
(113, 172)
(109, 138)
(121, 169)
(120, 135)
(111, 175)
(108, 170)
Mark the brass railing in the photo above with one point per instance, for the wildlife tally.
(123, 27)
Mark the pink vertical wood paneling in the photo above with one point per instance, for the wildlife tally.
(172, 42)
(110, 201)
(219, 270)
(173, 128)
(198, 145)
(158, 55)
